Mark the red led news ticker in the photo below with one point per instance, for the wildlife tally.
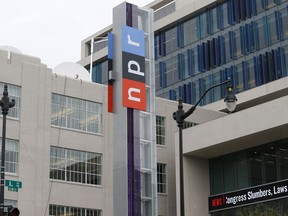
(248, 196)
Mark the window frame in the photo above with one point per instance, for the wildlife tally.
(160, 130)
(76, 114)
(11, 165)
(72, 169)
(162, 175)
(67, 210)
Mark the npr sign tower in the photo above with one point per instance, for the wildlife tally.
(132, 101)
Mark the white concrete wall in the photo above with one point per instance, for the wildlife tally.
(31, 130)
(166, 155)
(196, 170)
(36, 135)
(196, 183)
(259, 124)
(198, 4)
(196, 186)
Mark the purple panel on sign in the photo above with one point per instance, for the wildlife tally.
(130, 155)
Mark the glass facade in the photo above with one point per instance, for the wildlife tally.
(76, 114)
(75, 166)
(256, 166)
(245, 40)
(252, 167)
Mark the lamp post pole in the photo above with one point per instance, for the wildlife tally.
(5, 104)
(179, 116)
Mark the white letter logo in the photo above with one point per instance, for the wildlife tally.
(130, 97)
(137, 72)
(133, 43)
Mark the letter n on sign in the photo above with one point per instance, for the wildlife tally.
(133, 66)
(134, 97)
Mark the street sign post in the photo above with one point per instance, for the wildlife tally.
(13, 185)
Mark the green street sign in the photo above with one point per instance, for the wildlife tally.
(13, 184)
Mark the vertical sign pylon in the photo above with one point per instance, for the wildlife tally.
(134, 97)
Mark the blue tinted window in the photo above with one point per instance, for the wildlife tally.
(272, 29)
(260, 32)
(224, 10)
(171, 40)
(260, 6)
(284, 15)
(203, 25)
(190, 31)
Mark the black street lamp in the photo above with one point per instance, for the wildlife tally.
(5, 104)
(180, 115)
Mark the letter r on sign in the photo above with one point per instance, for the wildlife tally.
(133, 41)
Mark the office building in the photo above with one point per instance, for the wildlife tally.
(55, 141)
(59, 143)
(58, 134)
(199, 44)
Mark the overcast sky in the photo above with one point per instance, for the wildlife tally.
(52, 30)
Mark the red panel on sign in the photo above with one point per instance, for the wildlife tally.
(134, 94)
(110, 98)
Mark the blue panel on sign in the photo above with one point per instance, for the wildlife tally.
(110, 46)
(133, 41)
